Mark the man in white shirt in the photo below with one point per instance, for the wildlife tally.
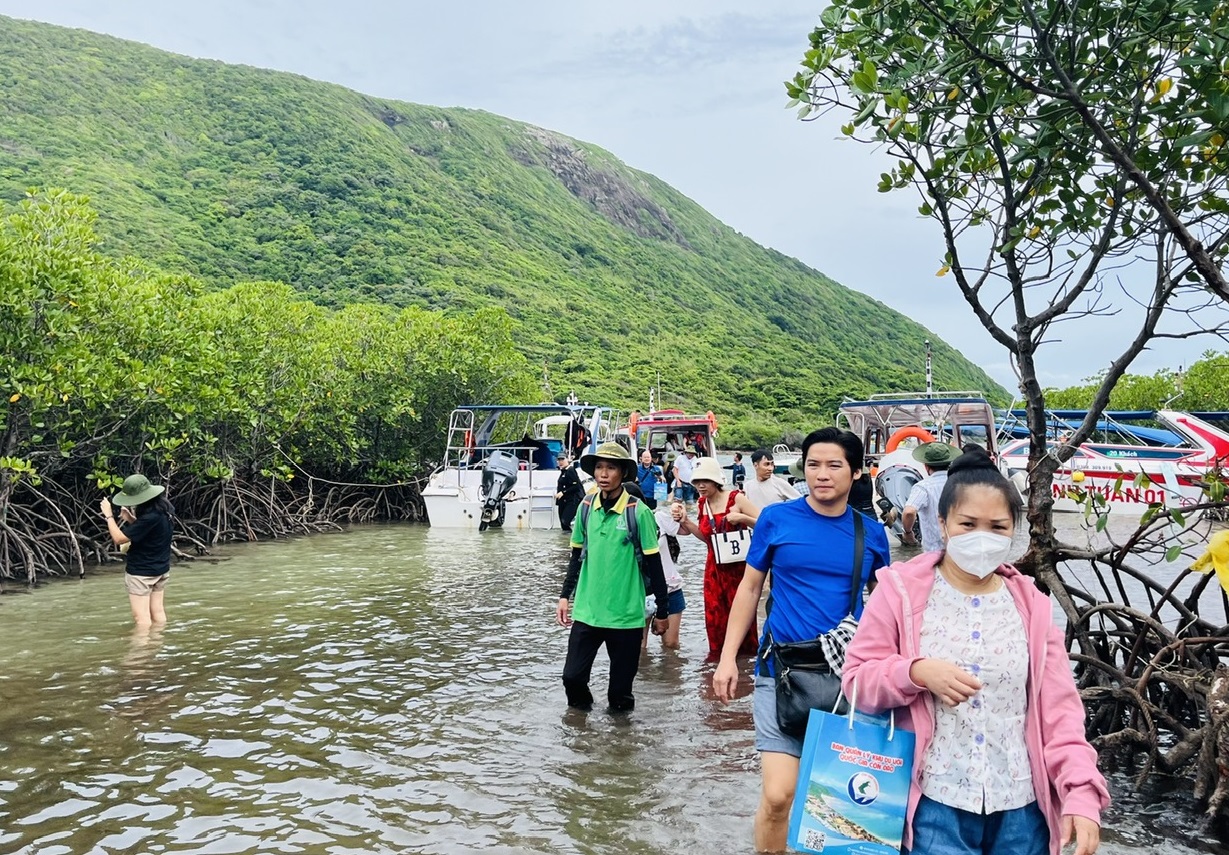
(766, 488)
(683, 467)
(923, 501)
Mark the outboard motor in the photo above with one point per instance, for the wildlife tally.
(893, 484)
(498, 479)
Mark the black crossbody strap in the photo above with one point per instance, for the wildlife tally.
(859, 545)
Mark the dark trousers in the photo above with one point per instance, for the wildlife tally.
(568, 506)
(623, 648)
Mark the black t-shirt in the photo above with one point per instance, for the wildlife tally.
(862, 495)
(150, 552)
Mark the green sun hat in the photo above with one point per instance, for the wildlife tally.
(136, 491)
(935, 453)
(610, 451)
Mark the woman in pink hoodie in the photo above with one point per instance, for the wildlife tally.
(963, 647)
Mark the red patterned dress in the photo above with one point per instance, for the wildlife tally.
(720, 585)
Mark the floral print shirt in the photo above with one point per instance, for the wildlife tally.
(978, 760)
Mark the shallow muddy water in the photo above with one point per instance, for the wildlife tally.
(390, 689)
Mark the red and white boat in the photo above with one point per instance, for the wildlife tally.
(665, 431)
(1174, 458)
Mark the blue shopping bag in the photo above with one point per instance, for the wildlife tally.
(853, 785)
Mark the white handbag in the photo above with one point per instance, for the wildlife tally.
(729, 547)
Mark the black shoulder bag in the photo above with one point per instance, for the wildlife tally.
(808, 673)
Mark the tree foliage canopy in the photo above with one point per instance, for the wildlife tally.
(111, 366)
(1204, 386)
(1063, 140)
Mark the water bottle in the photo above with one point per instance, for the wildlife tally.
(659, 491)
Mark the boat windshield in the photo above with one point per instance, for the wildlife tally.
(666, 431)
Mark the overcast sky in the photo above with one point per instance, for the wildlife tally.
(689, 90)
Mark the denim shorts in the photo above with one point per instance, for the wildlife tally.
(768, 737)
(675, 604)
(942, 830)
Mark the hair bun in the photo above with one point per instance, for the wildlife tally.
(974, 457)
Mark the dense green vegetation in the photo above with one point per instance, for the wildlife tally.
(1203, 386)
(230, 174)
(225, 395)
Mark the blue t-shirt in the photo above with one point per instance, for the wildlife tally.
(648, 476)
(810, 557)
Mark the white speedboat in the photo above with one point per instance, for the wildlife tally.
(786, 461)
(1173, 452)
(500, 462)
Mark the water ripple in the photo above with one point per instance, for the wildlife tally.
(395, 689)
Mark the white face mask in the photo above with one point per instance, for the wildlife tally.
(978, 552)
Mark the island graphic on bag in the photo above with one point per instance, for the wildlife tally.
(853, 785)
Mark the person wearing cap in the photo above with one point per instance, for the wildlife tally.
(145, 514)
(608, 583)
(684, 465)
(720, 509)
(923, 501)
(568, 491)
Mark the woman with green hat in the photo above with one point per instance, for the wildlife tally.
(145, 526)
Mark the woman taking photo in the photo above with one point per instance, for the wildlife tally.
(145, 526)
(963, 647)
(720, 510)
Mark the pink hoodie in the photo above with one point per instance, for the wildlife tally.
(886, 645)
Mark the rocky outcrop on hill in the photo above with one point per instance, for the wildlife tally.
(610, 194)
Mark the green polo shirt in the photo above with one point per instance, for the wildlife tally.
(610, 590)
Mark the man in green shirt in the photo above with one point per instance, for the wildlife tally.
(608, 582)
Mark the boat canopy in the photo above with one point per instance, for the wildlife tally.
(950, 416)
(1138, 433)
(897, 411)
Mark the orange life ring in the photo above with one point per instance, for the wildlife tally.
(632, 421)
(712, 421)
(469, 441)
(913, 431)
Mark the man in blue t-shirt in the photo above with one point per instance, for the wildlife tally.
(807, 544)
(647, 476)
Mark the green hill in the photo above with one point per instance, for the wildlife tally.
(231, 173)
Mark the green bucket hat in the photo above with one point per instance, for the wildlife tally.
(936, 455)
(136, 491)
(610, 451)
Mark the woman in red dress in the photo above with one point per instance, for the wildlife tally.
(720, 509)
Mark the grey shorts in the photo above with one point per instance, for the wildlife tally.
(143, 586)
(768, 737)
